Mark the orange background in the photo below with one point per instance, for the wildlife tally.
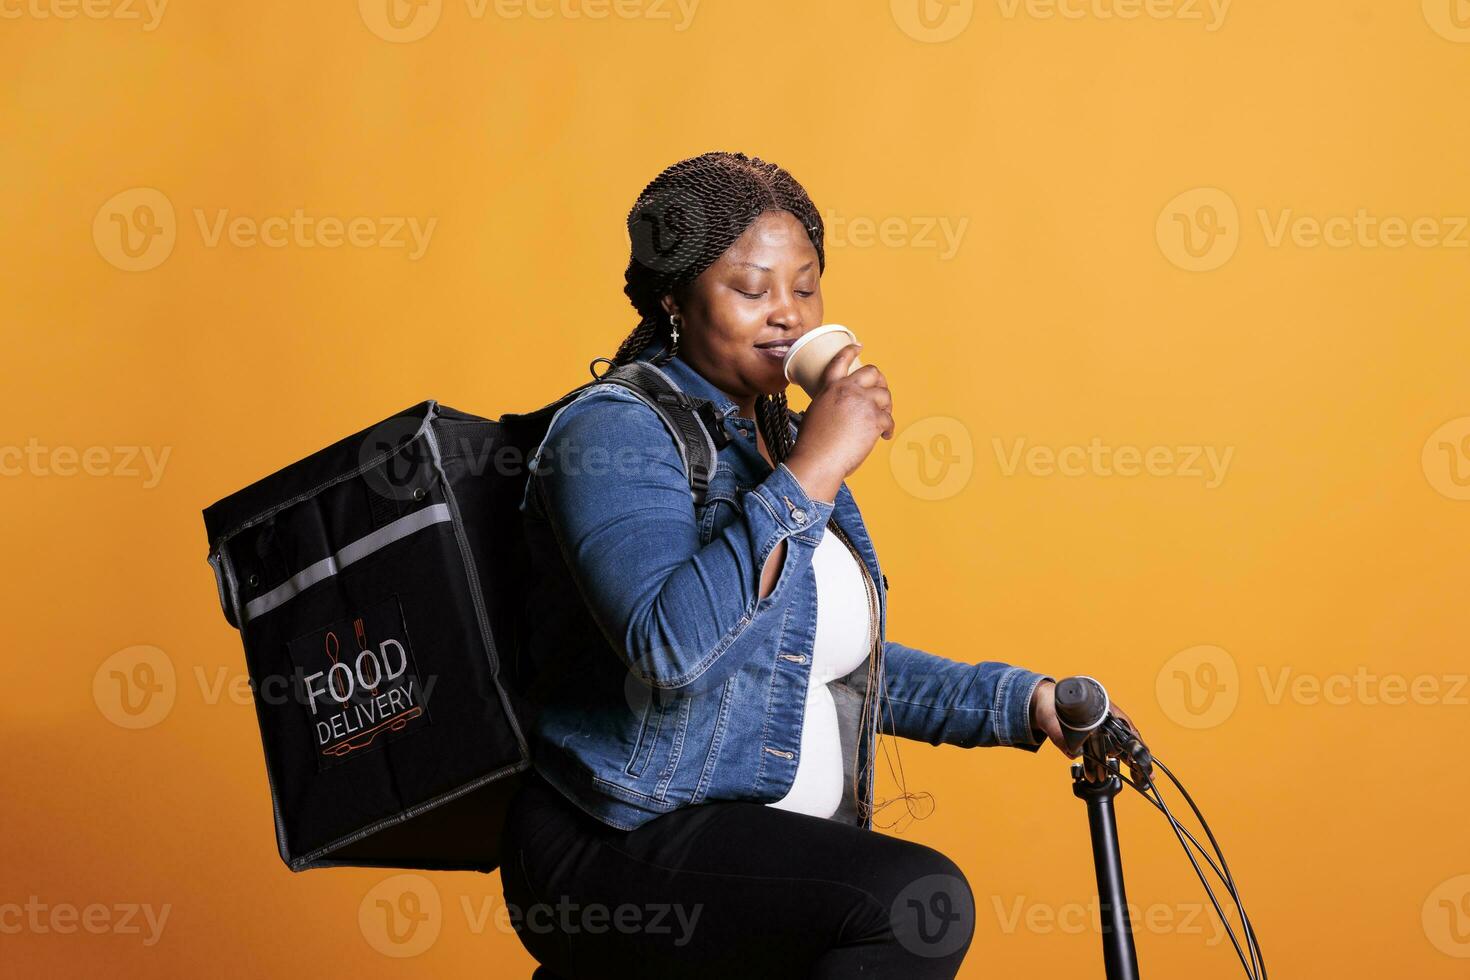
(1333, 546)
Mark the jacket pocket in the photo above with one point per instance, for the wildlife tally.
(648, 731)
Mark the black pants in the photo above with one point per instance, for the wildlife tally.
(727, 890)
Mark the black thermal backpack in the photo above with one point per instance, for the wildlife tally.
(377, 586)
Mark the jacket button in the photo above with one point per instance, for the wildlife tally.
(799, 515)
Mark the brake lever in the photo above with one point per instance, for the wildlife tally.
(1111, 738)
(1131, 748)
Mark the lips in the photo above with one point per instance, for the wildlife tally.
(775, 351)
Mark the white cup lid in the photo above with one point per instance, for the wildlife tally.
(804, 338)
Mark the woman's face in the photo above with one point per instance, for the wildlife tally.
(742, 313)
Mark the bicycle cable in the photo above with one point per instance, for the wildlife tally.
(1141, 762)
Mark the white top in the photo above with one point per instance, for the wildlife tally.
(842, 641)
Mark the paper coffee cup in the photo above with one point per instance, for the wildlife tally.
(813, 351)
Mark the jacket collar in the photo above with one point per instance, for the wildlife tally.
(690, 381)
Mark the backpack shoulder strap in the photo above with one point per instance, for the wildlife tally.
(690, 420)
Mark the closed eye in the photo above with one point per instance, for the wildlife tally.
(803, 293)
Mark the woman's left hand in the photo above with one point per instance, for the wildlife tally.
(1044, 719)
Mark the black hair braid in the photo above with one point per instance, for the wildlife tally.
(771, 415)
(635, 342)
(682, 222)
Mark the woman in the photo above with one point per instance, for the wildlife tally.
(701, 802)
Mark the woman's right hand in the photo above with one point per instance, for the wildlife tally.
(843, 423)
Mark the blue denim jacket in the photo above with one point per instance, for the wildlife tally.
(672, 682)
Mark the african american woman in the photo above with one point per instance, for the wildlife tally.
(701, 799)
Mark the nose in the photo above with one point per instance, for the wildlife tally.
(786, 314)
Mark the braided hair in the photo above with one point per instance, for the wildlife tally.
(685, 219)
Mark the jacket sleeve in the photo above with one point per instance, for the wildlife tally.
(933, 699)
(609, 481)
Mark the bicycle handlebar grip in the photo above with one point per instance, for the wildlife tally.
(1082, 706)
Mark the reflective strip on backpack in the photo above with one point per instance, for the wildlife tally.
(349, 553)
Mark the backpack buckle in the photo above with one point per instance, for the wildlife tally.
(712, 424)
